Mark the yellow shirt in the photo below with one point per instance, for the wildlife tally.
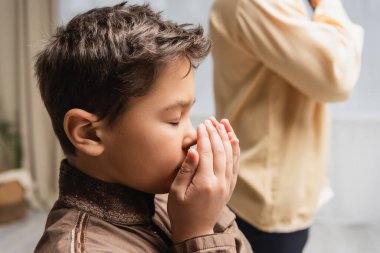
(274, 70)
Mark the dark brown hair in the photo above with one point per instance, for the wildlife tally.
(106, 56)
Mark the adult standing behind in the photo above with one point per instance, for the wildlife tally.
(275, 69)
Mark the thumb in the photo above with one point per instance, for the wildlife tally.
(185, 173)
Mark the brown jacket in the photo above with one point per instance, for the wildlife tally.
(94, 216)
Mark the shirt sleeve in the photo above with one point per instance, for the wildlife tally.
(319, 56)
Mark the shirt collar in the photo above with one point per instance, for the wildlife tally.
(115, 203)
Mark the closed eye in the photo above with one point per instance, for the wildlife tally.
(176, 123)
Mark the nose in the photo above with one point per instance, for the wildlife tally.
(190, 138)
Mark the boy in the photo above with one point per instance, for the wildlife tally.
(118, 85)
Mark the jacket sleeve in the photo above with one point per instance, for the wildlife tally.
(209, 243)
(230, 241)
(227, 238)
(321, 56)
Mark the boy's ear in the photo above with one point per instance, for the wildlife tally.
(82, 129)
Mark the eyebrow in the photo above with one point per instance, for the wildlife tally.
(180, 104)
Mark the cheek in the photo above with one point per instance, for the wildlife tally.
(159, 145)
(160, 142)
(167, 151)
(167, 154)
(164, 136)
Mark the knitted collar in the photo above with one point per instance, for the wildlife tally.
(114, 203)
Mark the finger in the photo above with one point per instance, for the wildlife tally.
(235, 146)
(227, 125)
(231, 136)
(235, 150)
(185, 173)
(214, 121)
(228, 150)
(205, 151)
(236, 157)
(219, 155)
(226, 143)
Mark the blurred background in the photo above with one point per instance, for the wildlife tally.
(30, 155)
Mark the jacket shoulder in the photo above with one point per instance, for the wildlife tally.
(70, 230)
(58, 230)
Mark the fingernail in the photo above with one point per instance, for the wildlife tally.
(208, 122)
(189, 151)
(225, 121)
(221, 127)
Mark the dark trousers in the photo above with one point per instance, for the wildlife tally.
(263, 242)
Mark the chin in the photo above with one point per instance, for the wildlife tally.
(161, 190)
(166, 187)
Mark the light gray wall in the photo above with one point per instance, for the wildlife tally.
(354, 166)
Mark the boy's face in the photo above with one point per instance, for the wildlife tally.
(150, 141)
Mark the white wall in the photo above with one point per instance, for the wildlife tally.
(354, 171)
(354, 166)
